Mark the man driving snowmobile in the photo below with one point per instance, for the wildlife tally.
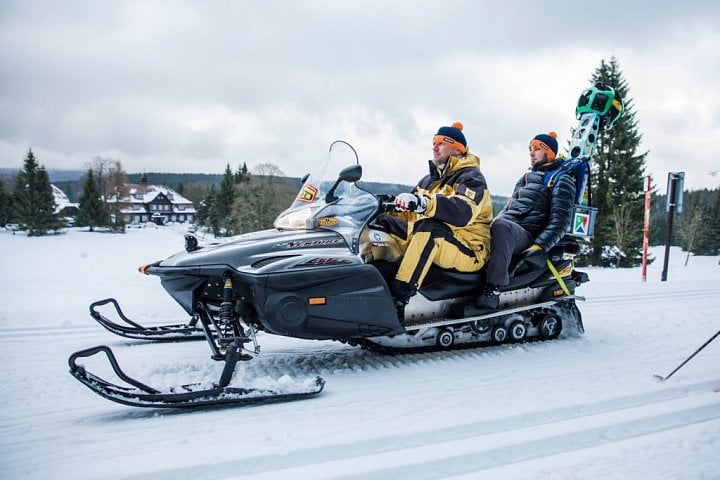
(445, 220)
(533, 220)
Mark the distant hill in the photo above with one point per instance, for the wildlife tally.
(71, 182)
(173, 180)
(55, 175)
(65, 175)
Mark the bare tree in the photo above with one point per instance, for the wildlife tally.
(111, 181)
(117, 180)
(692, 228)
(624, 228)
(101, 167)
(268, 170)
(195, 191)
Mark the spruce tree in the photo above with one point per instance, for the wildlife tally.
(698, 222)
(224, 202)
(243, 174)
(207, 214)
(715, 222)
(33, 201)
(617, 178)
(261, 199)
(4, 204)
(48, 213)
(93, 211)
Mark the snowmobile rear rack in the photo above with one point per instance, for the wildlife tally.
(165, 333)
(137, 394)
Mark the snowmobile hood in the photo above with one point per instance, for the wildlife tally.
(254, 251)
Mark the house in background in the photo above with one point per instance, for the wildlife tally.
(64, 207)
(152, 203)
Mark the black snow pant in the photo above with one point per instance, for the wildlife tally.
(507, 238)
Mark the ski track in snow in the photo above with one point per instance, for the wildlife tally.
(577, 407)
(479, 446)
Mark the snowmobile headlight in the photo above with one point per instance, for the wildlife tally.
(295, 220)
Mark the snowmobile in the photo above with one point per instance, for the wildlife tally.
(323, 273)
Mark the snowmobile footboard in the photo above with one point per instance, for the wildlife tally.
(138, 394)
(165, 333)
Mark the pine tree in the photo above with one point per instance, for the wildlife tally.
(715, 222)
(617, 178)
(207, 213)
(261, 199)
(4, 204)
(697, 227)
(224, 202)
(93, 211)
(242, 175)
(48, 213)
(33, 201)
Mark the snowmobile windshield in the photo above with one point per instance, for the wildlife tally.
(329, 197)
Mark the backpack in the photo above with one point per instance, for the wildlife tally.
(578, 169)
(582, 223)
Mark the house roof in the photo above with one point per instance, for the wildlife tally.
(146, 193)
(61, 200)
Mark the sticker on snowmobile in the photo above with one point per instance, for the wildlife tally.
(319, 262)
(307, 194)
(308, 243)
(581, 223)
(327, 221)
(379, 240)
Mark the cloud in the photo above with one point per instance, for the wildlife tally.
(187, 86)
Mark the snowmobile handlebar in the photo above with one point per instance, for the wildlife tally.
(386, 203)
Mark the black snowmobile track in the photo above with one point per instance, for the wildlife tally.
(165, 333)
(137, 394)
(543, 307)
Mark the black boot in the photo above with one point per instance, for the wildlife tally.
(400, 309)
(401, 292)
(489, 298)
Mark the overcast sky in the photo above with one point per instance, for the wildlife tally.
(190, 86)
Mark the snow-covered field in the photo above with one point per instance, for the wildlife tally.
(586, 407)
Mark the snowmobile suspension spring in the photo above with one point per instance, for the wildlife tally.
(228, 324)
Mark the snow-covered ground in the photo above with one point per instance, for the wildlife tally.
(585, 407)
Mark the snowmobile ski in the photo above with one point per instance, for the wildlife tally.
(164, 333)
(137, 394)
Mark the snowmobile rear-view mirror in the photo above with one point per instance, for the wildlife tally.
(191, 243)
(351, 174)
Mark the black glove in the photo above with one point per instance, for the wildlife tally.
(535, 255)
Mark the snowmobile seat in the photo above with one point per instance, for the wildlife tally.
(441, 284)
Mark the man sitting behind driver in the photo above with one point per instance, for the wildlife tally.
(445, 220)
(533, 220)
